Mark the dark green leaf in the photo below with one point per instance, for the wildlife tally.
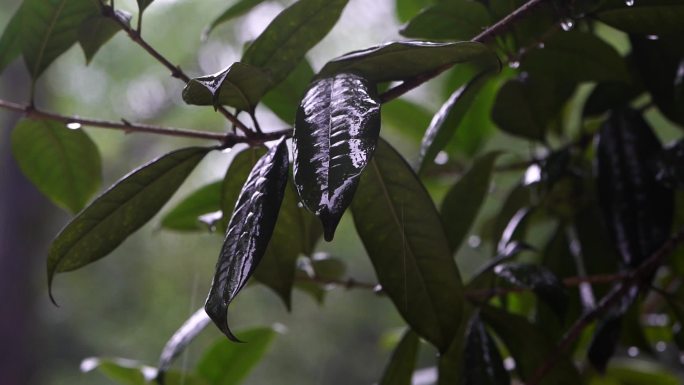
(49, 28)
(646, 17)
(526, 105)
(670, 165)
(180, 340)
(10, 42)
(130, 372)
(404, 238)
(538, 278)
(235, 178)
(282, 46)
(335, 133)
(483, 364)
(64, 164)
(518, 198)
(95, 31)
(236, 10)
(121, 210)
(226, 363)
(249, 232)
(641, 372)
(240, 85)
(319, 267)
(142, 4)
(463, 201)
(404, 60)
(529, 347)
(185, 216)
(406, 117)
(284, 99)
(448, 118)
(400, 368)
(577, 56)
(607, 96)
(406, 9)
(636, 208)
(453, 20)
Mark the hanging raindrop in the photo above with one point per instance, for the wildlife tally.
(567, 24)
(73, 125)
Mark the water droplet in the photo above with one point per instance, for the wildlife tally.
(509, 363)
(633, 351)
(300, 205)
(441, 158)
(73, 125)
(541, 45)
(567, 24)
(653, 37)
(661, 346)
(514, 64)
(532, 174)
(474, 241)
(226, 150)
(629, 3)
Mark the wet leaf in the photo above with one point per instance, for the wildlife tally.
(235, 177)
(541, 280)
(249, 231)
(236, 10)
(10, 42)
(192, 327)
(95, 31)
(453, 20)
(404, 238)
(529, 347)
(337, 126)
(408, 59)
(121, 210)
(636, 208)
(519, 197)
(448, 118)
(403, 361)
(285, 42)
(50, 28)
(463, 201)
(240, 85)
(483, 363)
(63, 164)
(226, 363)
(185, 215)
(670, 166)
(653, 17)
(142, 4)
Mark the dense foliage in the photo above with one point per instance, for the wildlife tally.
(585, 259)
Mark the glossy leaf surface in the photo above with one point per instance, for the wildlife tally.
(447, 119)
(651, 17)
(482, 364)
(541, 280)
(185, 215)
(404, 238)
(235, 10)
(240, 86)
(121, 210)
(64, 164)
(180, 340)
(336, 130)
(636, 208)
(235, 177)
(282, 46)
(464, 199)
(249, 232)
(10, 41)
(95, 31)
(453, 20)
(226, 363)
(400, 368)
(404, 60)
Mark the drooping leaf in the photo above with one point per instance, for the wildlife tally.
(49, 28)
(529, 347)
(185, 216)
(400, 368)
(284, 99)
(651, 17)
(637, 210)
(95, 31)
(225, 363)
(142, 4)
(180, 340)
(121, 210)
(404, 238)
(407, 59)
(483, 364)
(541, 280)
(236, 10)
(240, 85)
(64, 164)
(452, 20)
(576, 56)
(235, 178)
(249, 232)
(337, 126)
(463, 201)
(448, 118)
(282, 46)
(10, 42)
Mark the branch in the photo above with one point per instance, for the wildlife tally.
(176, 72)
(636, 277)
(489, 33)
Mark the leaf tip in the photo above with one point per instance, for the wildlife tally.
(330, 222)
